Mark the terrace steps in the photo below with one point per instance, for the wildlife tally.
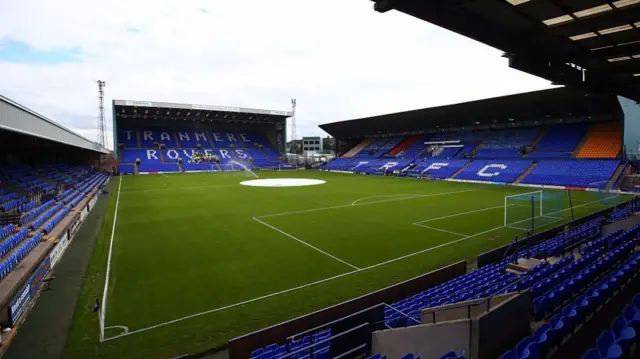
(138, 139)
(161, 156)
(175, 139)
(359, 147)
(461, 169)
(525, 173)
(540, 136)
(209, 139)
(180, 167)
(615, 177)
(576, 150)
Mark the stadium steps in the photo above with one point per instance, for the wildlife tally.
(359, 147)
(615, 177)
(211, 142)
(401, 146)
(136, 170)
(540, 136)
(161, 156)
(175, 139)
(461, 169)
(584, 140)
(180, 167)
(525, 173)
(138, 139)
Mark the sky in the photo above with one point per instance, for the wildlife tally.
(339, 58)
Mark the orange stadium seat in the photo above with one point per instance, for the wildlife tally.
(605, 141)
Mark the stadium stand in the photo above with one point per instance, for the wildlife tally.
(577, 273)
(437, 168)
(578, 173)
(250, 148)
(547, 156)
(604, 141)
(495, 171)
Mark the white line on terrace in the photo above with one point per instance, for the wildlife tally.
(362, 204)
(306, 244)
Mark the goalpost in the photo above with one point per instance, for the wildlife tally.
(531, 210)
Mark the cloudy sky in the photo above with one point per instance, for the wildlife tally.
(339, 58)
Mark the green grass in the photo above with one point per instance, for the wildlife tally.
(189, 243)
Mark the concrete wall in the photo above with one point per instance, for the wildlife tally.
(631, 139)
(462, 310)
(502, 327)
(430, 340)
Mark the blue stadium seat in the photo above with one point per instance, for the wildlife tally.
(576, 173)
(494, 170)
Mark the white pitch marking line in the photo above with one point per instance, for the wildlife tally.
(103, 311)
(306, 244)
(124, 329)
(313, 283)
(460, 214)
(404, 196)
(439, 229)
(302, 286)
(361, 204)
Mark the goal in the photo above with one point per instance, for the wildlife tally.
(532, 210)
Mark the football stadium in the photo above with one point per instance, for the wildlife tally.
(503, 227)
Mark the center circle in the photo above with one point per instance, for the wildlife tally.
(282, 182)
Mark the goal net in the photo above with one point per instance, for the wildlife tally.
(532, 210)
(604, 196)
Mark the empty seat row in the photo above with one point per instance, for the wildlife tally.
(45, 216)
(6, 231)
(8, 264)
(316, 346)
(621, 268)
(36, 212)
(56, 219)
(617, 341)
(11, 242)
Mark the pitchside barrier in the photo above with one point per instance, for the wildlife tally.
(347, 314)
(19, 290)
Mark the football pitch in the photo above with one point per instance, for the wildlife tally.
(194, 260)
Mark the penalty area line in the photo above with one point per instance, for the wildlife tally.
(301, 286)
(440, 230)
(362, 204)
(306, 244)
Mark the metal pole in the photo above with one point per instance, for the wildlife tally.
(533, 214)
(571, 205)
